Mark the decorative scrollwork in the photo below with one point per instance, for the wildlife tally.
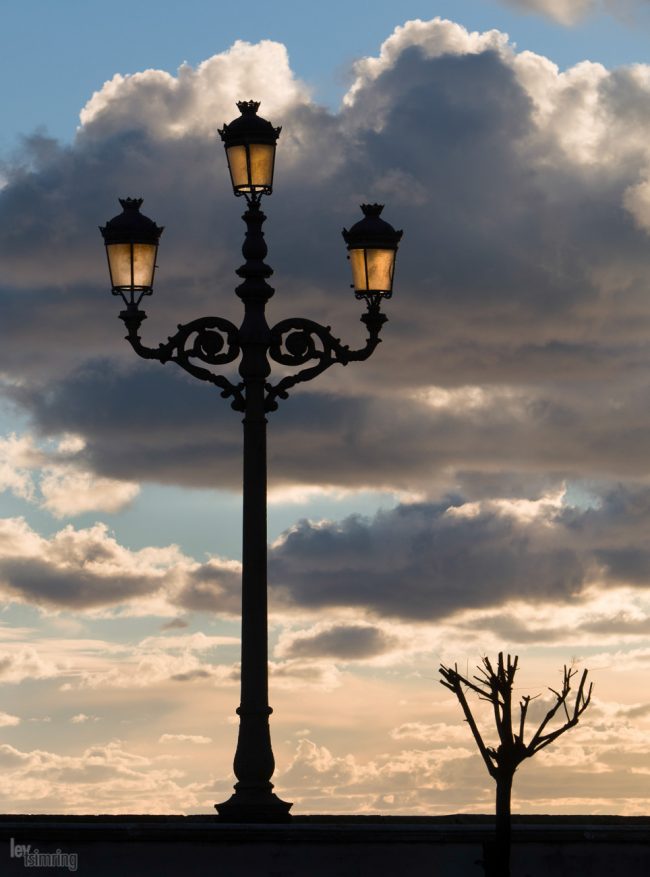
(297, 341)
(210, 340)
(215, 341)
(204, 339)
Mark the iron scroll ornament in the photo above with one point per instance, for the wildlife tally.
(214, 341)
(297, 341)
(201, 340)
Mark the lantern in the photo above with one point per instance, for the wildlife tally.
(372, 245)
(250, 149)
(131, 247)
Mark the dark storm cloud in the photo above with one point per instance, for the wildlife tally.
(626, 564)
(43, 583)
(175, 624)
(211, 589)
(344, 641)
(86, 569)
(423, 561)
(417, 562)
(152, 423)
(523, 270)
(517, 630)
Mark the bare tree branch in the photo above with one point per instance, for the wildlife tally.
(523, 709)
(539, 740)
(454, 681)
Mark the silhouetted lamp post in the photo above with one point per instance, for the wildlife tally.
(131, 244)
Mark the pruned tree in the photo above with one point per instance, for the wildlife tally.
(495, 685)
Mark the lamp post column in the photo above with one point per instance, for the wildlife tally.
(254, 764)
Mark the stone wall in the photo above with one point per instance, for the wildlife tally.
(312, 846)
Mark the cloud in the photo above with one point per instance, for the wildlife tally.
(8, 721)
(435, 39)
(317, 775)
(438, 733)
(422, 561)
(87, 569)
(214, 586)
(521, 273)
(25, 663)
(514, 358)
(570, 12)
(74, 493)
(563, 11)
(99, 778)
(520, 282)
(82, 718)
(76, 568)
(635, 712)
(445, 773)
(195, 101)
(346, 642)
(198, 739)
(175, 624)
(54, 479)
(17, 457)
(414, 562)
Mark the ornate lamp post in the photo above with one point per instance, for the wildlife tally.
(131, 244)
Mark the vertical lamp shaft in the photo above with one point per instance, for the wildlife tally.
(254, 799)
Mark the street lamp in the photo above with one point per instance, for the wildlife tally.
(131, 242)
(249, 141)
(131, 246)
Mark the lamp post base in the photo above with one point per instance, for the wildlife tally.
(254, 805)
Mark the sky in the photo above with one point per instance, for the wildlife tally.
(480, 484)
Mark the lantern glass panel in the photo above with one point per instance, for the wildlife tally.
(262, 155)
(238, 167)
(132, 265)
(380, 269)
(253, 175)
(358, 263)
(119, 263)
(372, 269)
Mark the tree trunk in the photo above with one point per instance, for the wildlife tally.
(501, 859)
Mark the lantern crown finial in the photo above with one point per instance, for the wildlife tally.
(248, 106)
(372, 209)
(131, 203)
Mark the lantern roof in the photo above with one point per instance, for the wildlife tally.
(131, 226)
(249, 127)
(372, 231)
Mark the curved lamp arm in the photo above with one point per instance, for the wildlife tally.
(202, 340)
(297, 341)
